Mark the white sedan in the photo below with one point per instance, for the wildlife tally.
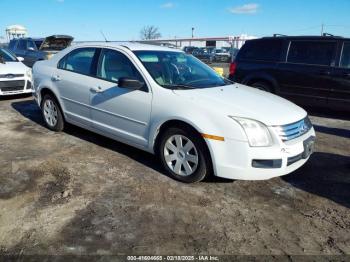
(169, 103)
(15, 77)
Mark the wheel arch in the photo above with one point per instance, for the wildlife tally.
(179, 123)
(45, 91)
(262, 77)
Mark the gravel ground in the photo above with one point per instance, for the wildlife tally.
(76, 192)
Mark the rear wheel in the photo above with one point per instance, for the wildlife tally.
(184, 155)
(262, 86)
(52, 113)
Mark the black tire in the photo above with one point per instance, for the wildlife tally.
(59, 124)
(262, 86)
(203, 168)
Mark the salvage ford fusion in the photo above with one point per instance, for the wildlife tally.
(169, 103)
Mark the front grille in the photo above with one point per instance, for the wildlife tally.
(11, 75)
(6, 86)
(294, 130)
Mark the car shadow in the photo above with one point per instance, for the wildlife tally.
(324, 112)
(31, 111)
(333, 131)
(326, 175)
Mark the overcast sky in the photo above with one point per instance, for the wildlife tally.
(123, 19)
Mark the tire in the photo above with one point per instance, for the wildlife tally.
(195, 164)
(262, 86)
(52, 114)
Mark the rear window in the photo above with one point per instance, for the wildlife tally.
(265, 50)
(12, 44)
(78, 61)
(311, 52)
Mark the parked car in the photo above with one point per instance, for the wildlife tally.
(308, 70)
(189, 49)
(221, 55)
(169, 103)
(205, 54)
(15, 77)
(36, 49)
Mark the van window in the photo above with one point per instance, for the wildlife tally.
(311, 52)
(79, 61)
(345, 58)
(265, 50)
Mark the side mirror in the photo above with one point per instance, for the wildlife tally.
(19, 58)
(30, 49)
(130, 83)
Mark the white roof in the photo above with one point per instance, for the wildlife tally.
(133, 46)
(16, 27)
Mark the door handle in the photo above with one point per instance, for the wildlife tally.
(56, 78)
(96, 90)
(347, 75)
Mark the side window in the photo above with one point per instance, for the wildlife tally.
(22, 45)
(265, 50)
(30, 44)
(345, 58)
(114, 65)
(311, 52)
(79, 61)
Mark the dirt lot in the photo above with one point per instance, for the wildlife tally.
(79, 193)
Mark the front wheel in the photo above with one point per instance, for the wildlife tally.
(52, 113)
(184, 156)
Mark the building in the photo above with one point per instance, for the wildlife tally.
(15, 31)
(217, 42)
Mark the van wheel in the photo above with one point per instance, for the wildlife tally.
(183, 155)
(262, 86)
(52, 113)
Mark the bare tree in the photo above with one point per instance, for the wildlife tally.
(150, 32)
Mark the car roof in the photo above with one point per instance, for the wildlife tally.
(305, 37)
(133, 46)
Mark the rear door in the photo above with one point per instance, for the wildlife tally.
(305, 76)
(339, 95)
(74, 78)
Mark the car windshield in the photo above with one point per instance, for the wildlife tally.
(179, 70)
(38, 43)
(7, 56)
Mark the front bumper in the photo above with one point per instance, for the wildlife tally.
(234, 159)
(15, 86)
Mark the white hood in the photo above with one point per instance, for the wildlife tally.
(243, 101)
(12, 68)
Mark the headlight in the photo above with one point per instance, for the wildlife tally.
(257, 133)
(29, 73)
(49, 56)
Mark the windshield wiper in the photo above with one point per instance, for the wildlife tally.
(178, 86)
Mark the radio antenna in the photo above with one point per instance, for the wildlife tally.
(103, 35)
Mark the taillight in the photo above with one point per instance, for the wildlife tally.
(233, 67)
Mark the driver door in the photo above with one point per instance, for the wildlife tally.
(121, 112)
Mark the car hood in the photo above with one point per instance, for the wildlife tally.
(12, 68)
(243, 101)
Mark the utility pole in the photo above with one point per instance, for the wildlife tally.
(192, 31)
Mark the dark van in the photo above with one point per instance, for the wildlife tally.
(308, 70)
